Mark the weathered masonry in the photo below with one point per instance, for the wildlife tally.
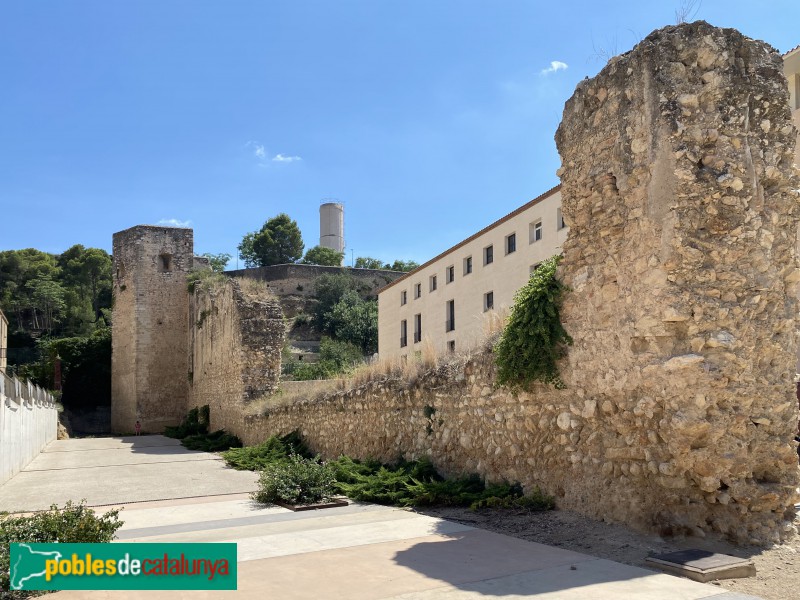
(150, 349)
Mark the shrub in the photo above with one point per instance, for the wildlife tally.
(273, 450)
(217, 441)
(534, 339)
(75, 523)
(297, 481)
(194, 423)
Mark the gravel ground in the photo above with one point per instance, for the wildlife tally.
(778, 568)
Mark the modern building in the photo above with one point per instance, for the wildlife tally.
(3, 342)
(447, 301)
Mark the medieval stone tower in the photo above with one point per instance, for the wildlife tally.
(150, 353)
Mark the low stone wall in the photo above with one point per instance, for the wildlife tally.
(28, 422)
(236, 339)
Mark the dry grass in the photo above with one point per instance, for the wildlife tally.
(253, 289)
(405, 370)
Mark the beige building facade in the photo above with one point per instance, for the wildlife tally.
(447, 302)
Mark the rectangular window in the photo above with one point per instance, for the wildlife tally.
(450, 274)
(488, 255)
(534, 267)
(450, 323)
(536, 231)
(432, 282)
(468, 265)
(403, 333)
(403, 297)
(488, 301)
(511, 243)
(417, 328)
(560, 220)
(451, 346)
(417, 290)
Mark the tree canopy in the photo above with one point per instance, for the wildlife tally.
(278, 242)
(218, 262)
(320, 255)
(367, 262)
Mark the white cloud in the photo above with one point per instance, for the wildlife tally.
(258, 149)
(555, 66)
(174, 223)
(287, 159)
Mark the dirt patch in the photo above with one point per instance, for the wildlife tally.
(778, 568)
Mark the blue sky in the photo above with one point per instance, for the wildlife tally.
(428, 119)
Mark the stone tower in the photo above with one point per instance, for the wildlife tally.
(150, 353)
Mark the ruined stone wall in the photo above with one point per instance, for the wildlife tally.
(679, 412)
(682, 262)
(150, 352)
(236, 335)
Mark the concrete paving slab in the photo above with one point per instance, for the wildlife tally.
(597, 579)
(36, 489)
(142, 443)
(249, 522)
(113, 457)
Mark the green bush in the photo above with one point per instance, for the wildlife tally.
(274, 450)
(335, 358)
(216, 441)
(297, 481)
(405, 483)
(194, 423)
(75, 523)
(417, 483)
(534, 339)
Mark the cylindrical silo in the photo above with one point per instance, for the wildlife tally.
(331, 226)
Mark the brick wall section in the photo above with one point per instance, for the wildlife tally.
(237, 337)
(150, 352)
(679, 412)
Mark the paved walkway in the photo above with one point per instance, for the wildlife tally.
(358, 552)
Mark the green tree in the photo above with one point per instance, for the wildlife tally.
(47, 297)
(218, 262)
(278, 242)
(86, 275)
(328, 290)
(355, 320)
(403, 265)
(367, 262)
(320, 255)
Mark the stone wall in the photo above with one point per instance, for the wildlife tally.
(236, 335)
(150, 353)
(28, 422)
(679, 412)
(682, 261)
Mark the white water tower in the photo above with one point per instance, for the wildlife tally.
(331, 225)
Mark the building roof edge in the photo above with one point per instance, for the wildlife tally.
(500, 221)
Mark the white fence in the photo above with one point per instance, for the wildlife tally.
(28, 422)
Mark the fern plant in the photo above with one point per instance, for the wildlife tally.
(534, 339)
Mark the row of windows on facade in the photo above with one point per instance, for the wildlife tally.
(449, 323)
(488, 258)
